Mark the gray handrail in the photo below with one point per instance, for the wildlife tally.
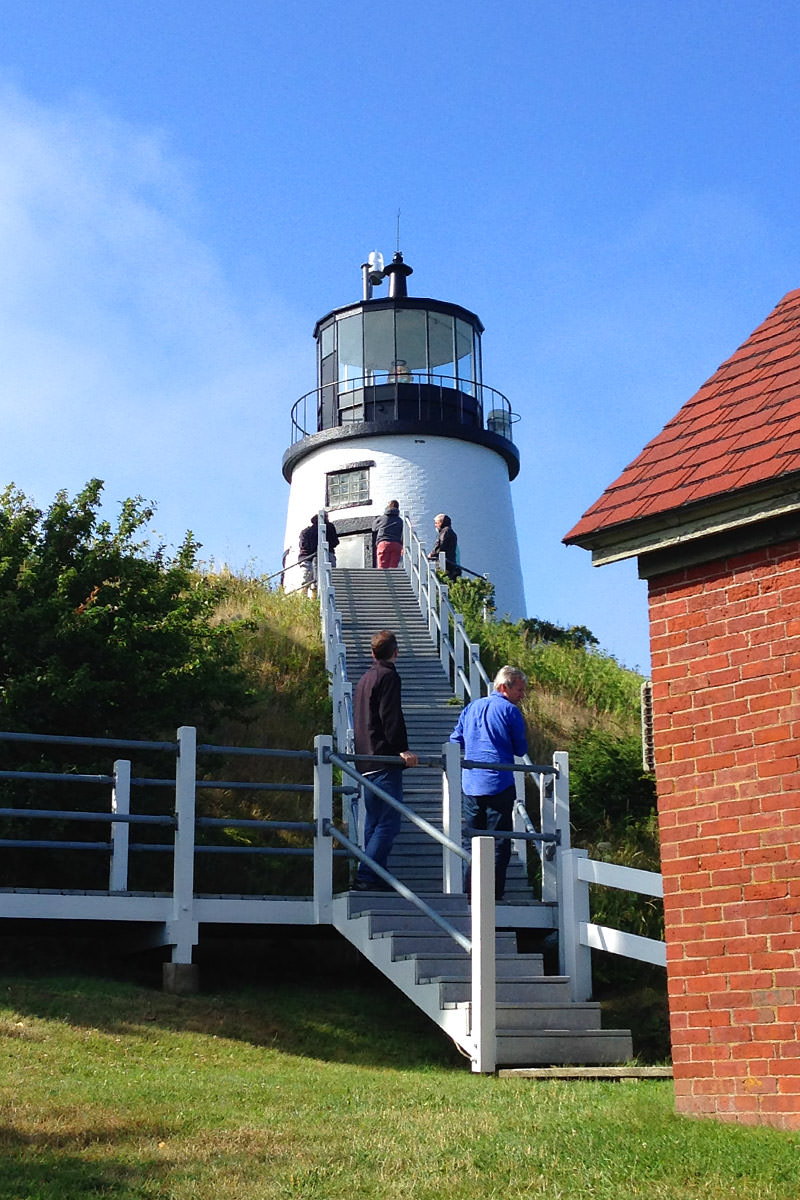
(400, 888)
(417, 820)
(459, 657)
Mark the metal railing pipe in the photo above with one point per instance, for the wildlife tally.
(407, 812)
(401, 889)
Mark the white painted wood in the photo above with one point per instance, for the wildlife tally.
(459, 641)
(474, 670)
(574, 958)
(182, 929)
(323, 843)
(120, 830)
(630, 945)
(84, 906)
(451, 818)
(484, 1016)
(561, 796)
(627, 879)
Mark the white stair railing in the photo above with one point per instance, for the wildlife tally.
(341, 690)
(459, 656)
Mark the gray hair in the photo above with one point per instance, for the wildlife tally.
(508, 675)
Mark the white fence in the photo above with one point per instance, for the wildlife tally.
(566, 874)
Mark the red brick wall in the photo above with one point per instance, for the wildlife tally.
(726, 697)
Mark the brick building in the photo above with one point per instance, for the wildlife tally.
(711, 509)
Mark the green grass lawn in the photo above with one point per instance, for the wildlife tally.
(112, 1089)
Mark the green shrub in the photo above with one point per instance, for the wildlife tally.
(103, 635)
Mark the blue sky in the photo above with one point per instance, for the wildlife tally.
(186, 187)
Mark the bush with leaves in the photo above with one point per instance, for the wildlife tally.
(102, 635)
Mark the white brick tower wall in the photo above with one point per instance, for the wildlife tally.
(427, 475)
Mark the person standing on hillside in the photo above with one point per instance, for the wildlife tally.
(492, 730)
(309, 540)
(447, 544)
(387, 530)
(380, 728)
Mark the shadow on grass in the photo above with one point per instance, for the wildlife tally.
(41, 1166)
(311, 997)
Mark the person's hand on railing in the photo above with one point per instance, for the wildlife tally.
(409, 758)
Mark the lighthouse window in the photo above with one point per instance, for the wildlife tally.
(345, 488)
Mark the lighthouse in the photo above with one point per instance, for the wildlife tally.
(400, 412)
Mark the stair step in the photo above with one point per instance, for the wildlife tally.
(523, 1018)
(534, 989)
(536, 1023)
(441, 968)
(568, 1047)
(405, 944)
(391, 902)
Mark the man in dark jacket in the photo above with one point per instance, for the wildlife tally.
(446, 544)
(380, 728)
(309, 540)
(387, 532)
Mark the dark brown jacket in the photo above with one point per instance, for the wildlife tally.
(379, 726)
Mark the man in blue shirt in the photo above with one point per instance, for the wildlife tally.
(492, 730)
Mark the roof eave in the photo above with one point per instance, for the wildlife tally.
(690, 522)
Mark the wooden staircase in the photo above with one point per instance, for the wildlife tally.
(537, 1024)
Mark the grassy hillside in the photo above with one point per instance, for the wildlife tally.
(284, 1088)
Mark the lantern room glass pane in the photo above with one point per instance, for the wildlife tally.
(440, 344)
(379, 352)
(326, 341)
(351, 361)
(412, 348)
(465, 364)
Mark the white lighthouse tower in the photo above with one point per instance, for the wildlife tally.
(401, 412)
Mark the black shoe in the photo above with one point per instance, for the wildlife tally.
(378, 886)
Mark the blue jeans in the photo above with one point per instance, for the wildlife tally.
(485, 813)
(381, 823)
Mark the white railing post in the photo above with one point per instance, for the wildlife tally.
(444, 627)
(180, 975)
(459, 641)
(430, 604)
(520, 846)
(323, 842)
(323, 580)
(453, 865)
(345, 739)
(484, 1008)
(574, 959)
(561, 796)
(120, 830)
(474, 673)
(554, 814)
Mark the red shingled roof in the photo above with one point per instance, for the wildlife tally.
(742, 428)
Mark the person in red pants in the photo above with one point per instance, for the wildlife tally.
(388, 532)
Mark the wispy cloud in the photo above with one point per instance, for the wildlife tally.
(125, 351)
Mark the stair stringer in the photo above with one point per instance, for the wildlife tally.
(454, 1021)
(549, 1030)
